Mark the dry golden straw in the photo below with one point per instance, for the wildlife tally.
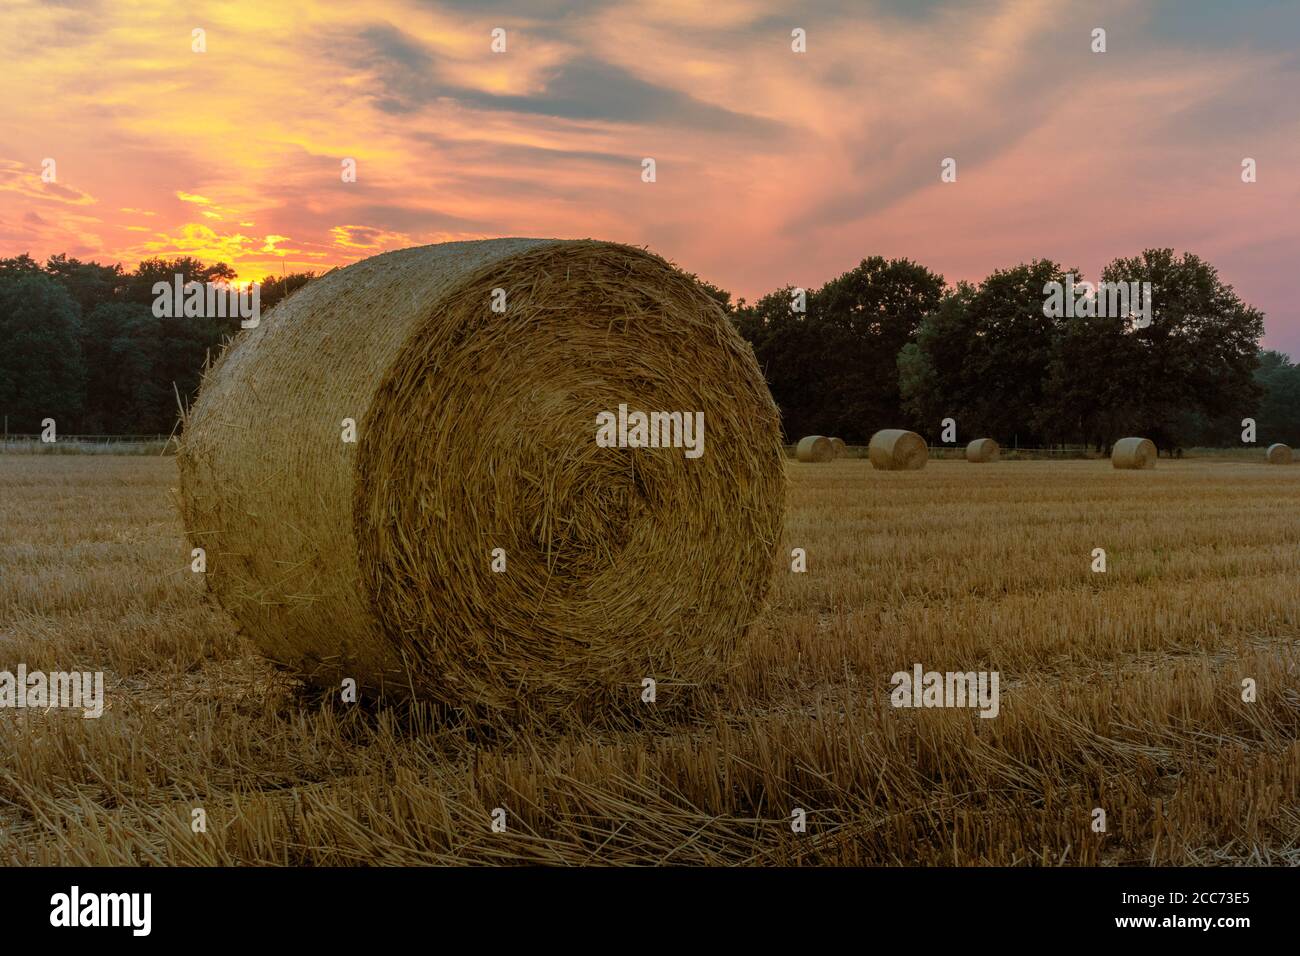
(814, 448)
(894, 449)
(982, 450)
(1133, 453)
(476, 431)
(1279, 454)
(837, 444)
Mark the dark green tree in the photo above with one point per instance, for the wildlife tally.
(125, 391)
(933, 370)
(982, 357)
(185, 342)
(139, 285)
(88, 283)
(41, 370)
(859, 322)
(275, 289)
(786, 347)
(1278, 418)
(1012, 338)
(1196, 358)
(18, 266)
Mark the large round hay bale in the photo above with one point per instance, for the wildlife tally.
(838, 446)
(1278, 454)
(814, 448)
(1133, 453)
(895, 449)
(476, 430)
(982, 450)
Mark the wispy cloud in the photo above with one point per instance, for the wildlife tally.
(773, 166)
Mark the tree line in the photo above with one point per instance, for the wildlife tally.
(888, 343)
(79, 343)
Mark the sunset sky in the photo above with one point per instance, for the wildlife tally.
(772, 167)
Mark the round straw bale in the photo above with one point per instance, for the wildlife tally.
(1279, 454)
(1133, 453)
(476, 444)
(982, 450)
(894, 449)
(814, 448)
(839, 447)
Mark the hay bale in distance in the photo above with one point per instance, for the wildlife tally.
(1134, 453)
(896, 449)
(1278, 454)
(840, 448)
(982, 450)
(476, 430)
(814, 448)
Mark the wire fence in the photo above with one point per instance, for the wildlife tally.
(1022, 451)
(34, 444)
(942, 452)
(87, 444)
(1065, 452)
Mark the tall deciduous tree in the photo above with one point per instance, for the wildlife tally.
(41, 370)
(861, 320)
(786, 346)
(126, 391)
(1278, 418)
(89, 283)
(982, 357)
(1196, 358)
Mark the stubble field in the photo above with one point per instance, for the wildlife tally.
(1120, 691)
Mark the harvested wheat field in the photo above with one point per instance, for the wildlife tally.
(1119, 690)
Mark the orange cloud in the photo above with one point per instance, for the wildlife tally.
(366, 237)
(773, 166)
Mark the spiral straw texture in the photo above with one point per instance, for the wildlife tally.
(1134, 453)
(814, 448)
(476, 431)
(982, 450)
(894, 449)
